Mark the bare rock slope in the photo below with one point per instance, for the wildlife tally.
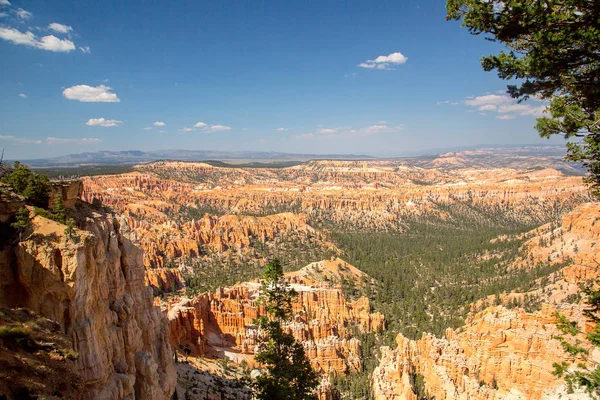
(92, 284)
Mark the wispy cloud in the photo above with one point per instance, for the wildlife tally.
(55, 140)
(85, 49)
(23, 14)
(91, 94)
(326, 130)
(281, 130)
(217, 128)
(505, 106)
(384, 62)
(23, 95)
(50, 42)
(148, 128)
(323, 133)
(15, 139)
(60, 28)
(448, 102)
(159, 123)
(50, 140)
(28, 38)
(103, 122)
(206, 128)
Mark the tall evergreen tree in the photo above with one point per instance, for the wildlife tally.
(553, 54)
(287, 372)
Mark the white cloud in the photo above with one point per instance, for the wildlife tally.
(323, 133)
(326, 130)
(217, 128)
(281, 129)
(448, 102)
(3, 14)
(23, 14)
(148, 128)
(4, 3)
(23, 95)
(204, 127)
(505, 105)
(489, 99)
(159, 123)
(103, 122)
(90, 94)
(50, 42)
(384, 62)
(370, 130)
(54, 140)
(87, 50)
(394, 58)
(60, 28)
(18, 37)
(14, 139)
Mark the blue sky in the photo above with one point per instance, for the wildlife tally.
(380, 78)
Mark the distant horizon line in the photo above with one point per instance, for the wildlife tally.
(413, 153)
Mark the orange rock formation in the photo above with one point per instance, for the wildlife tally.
(221, 323)
(92, 284)
(502, 353)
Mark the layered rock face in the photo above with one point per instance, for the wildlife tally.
(161, 224)
(221, 323)
(92, 284)
(502, 353)
(212, 233)
(375, 194)
(175, 208)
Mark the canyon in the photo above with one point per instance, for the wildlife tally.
(156, 289)
(184, 210)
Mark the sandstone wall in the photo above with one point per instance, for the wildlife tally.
(93, 285)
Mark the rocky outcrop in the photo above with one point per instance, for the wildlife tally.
(92, 284)
(500, 353)
(221, 324)
(505, 353)
(10, 203)
(69, 191)
(574, 239)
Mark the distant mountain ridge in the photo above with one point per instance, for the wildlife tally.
(130, 157)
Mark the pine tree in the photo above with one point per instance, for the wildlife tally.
(287, 372)
(587, 373)
(551, 53)
(21, 221)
